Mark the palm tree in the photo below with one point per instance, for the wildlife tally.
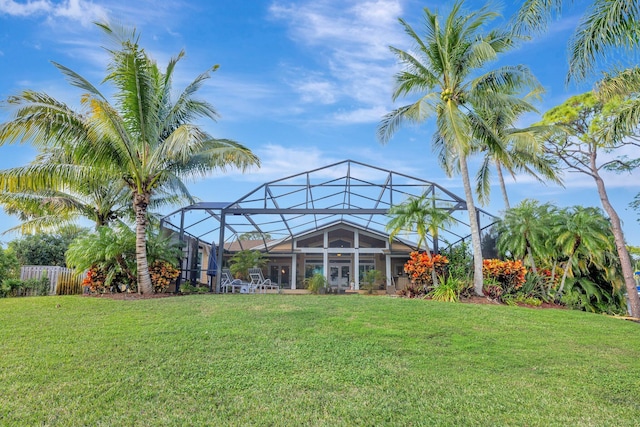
(145, 138)
(524, 230)
(524, 149)
(60, 201)
(419, 214)
(586, 232)
(607, 24)
(587, 146)
(443, 71)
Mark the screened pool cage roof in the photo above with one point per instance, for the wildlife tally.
(348, 192)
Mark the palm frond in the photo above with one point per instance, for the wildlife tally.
(607, 24)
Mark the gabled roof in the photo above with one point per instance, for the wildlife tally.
(348, 191)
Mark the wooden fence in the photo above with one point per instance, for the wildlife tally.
(54, 273)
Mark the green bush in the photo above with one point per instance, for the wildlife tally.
(187, 288)
(29, 287)
(315, 283)
(448, 290)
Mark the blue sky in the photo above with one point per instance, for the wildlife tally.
(302, 83)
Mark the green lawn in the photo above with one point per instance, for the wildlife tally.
(312, 360)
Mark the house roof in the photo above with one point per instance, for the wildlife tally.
(348, 191)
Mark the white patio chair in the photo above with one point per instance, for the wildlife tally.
(227, 283)
(259, 283)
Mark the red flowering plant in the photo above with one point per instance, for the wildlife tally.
(502, 277)
(419, 268)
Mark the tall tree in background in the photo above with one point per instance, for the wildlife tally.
(444, 70)
(145, 138)
(524, 148)
(586, 146)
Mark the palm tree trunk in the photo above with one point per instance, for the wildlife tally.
(623, 253)
(564, 276)
(140, 203)
(475, 228)
(503, 187)
(531, 260)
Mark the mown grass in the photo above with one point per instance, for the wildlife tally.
(312, 360)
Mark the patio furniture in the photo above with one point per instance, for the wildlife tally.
(228, 284)
(259, 283)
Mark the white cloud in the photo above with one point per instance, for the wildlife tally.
(349, 41)
(14, 8)
(75, 10)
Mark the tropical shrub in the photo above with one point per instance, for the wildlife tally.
(420, 265)
(242, 261)
(509, 275)
(414, 290)
(163, 274)
(187, 288)
(9, 265)
(29, 287)
(371, 280)
(315, 283)
(460, 263)
(108, 254)
(448, 290)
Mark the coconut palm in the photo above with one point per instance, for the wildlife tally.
(607, 25)
(524, 149)
(443, 71)
(57, 204)
(146, 138)
(419, 214)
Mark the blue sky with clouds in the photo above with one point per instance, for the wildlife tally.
(303, 83)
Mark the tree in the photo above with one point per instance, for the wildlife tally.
(524, 230)
(419, 214)
(607, 25)
(9, 265)
(146, 138)
(584, 231)
(585, 120)
(444, 73)
(44, 249)
(242, 261)
(524, 148)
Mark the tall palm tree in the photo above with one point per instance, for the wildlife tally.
(146, 138)
(607, 24)
(419, 214)
(443, 71)
(524, 148)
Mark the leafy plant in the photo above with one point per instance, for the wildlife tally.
(162, 275)
(18, 288)
(448, 290)
(315, 283)
(420, 267)
(460, 261)
(510, 275)
(187, 288)
(242, 261)
(371, 280)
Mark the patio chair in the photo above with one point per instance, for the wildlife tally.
(227, 283)
(259, 283)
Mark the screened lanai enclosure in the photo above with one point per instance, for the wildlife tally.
(331, 220)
